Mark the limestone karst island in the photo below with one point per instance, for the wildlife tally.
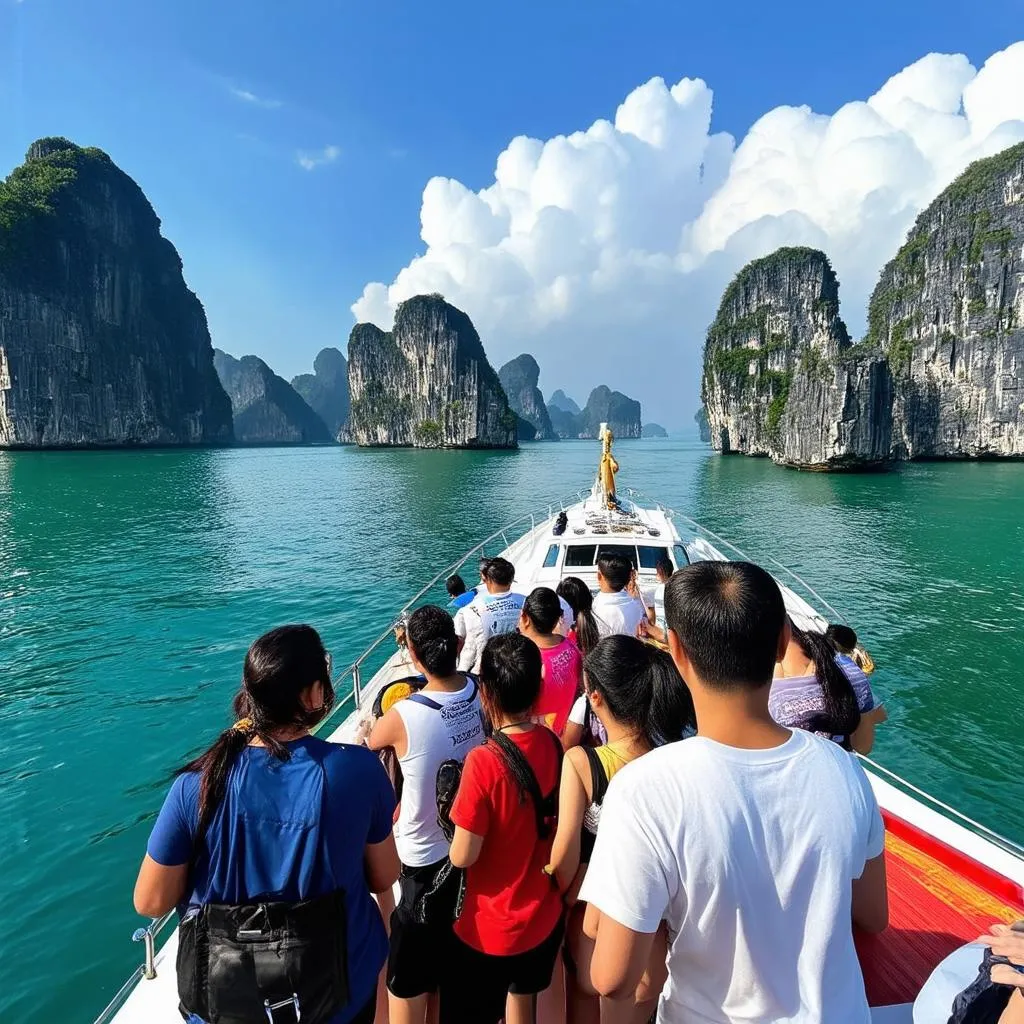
(103, 344)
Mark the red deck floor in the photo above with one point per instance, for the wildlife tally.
(939, 899)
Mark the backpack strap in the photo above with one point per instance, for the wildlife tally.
(544, 807)
(427, 702)
(598, 779)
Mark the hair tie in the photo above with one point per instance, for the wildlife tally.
(243, 725)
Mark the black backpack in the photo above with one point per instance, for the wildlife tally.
(267, 960)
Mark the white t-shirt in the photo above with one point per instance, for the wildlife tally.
(434, 734)
(485, 616)
(654, 597)
(618, 613)
(749, 856)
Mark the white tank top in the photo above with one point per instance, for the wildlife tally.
(434, 734)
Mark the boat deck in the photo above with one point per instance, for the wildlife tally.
(939, 899)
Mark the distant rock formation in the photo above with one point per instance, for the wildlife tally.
(426, 383)
(653, 430)
(519, 378)
(266, 408)
(948, 313)
(700, 417)
(101, 341)
(781, 376)
(325, 390)
(560, 400)
(622, 414)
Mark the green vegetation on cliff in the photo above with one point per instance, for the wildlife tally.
(30, 199)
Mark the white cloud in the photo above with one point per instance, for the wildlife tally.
(605, 252)
(257, 101)
(309, 160)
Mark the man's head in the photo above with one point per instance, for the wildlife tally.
(498, 575)
(433, 648)
(727, 625)
(455, 585)
(664, 568)
(613, 572)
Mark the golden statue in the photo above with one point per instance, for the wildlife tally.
(609, 467)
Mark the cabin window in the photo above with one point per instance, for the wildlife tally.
(649, 555)
(580, 555)
(682, 558)
(624, 550)
(551, 558)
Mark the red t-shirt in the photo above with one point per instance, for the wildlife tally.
(511, 905)
(560, 684)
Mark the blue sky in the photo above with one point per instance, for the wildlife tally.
(210, 106)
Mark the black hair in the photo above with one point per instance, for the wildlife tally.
(278, 667)
(729, 617)
(543, 609)
(842, 714)
(641, 687)
(843, 637)
(430, 633)
(455, 585)
(499, 571)
(579, 598)
(615, 568)
(664, 565)
(510, 671)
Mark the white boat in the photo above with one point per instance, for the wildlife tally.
(949, 877)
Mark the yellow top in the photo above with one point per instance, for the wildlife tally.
(611, 758)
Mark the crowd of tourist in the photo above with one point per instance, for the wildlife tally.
(613, 811)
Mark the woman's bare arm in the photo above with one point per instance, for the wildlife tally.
(159, 887)
(572, 805)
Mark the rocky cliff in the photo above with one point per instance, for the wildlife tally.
(781, 376)
(265, 407)
(948, 312)
(700, 417)
(325, 390)
(653, 430)
(426, 383)
(519, 378)
(622, 414)
(101, 341)
(560, 400)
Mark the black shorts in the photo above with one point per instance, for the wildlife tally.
(418, 952)
(477, 984)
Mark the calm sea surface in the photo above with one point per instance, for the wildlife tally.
(132, 583)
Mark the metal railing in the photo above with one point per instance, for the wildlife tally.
(699, 530)
(1006, 844)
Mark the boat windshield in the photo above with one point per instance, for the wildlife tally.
(641, 556)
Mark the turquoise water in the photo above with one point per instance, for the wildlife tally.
(131, 584)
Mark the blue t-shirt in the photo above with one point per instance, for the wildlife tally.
(461, 601)
(266, 838)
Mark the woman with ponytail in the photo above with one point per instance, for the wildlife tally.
(821, 691)
(562, 678)
(273, 824)
(642, 702)
(577, 595)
